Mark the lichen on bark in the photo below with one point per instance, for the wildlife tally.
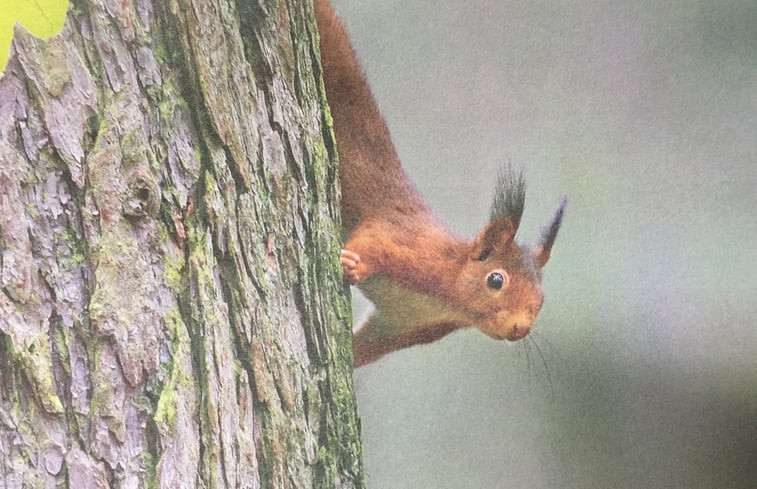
(171, 308)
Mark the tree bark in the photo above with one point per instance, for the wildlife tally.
(171, 309)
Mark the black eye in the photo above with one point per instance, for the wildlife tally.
(495, 280)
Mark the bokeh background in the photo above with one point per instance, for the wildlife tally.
(645, 115)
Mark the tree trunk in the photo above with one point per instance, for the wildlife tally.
(172, 312)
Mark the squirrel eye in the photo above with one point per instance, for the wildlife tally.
(495, 280)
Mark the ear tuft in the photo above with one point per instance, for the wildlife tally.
(548, 236)
(509, 195)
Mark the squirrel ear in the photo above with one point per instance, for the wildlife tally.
(548, 236)
(498, 234)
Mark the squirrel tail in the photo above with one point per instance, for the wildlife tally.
(371, 174)
(346, 85)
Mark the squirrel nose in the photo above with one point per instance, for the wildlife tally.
(518, 332)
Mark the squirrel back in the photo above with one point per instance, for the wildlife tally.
(424, 281)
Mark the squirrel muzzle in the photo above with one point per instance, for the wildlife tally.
(511, 326)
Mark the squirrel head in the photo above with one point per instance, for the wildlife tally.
(501, 278)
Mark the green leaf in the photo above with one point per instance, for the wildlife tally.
(42, 18)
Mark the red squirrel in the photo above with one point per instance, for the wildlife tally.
(424, 282)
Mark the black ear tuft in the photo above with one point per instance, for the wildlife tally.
(548, 235)
(509, 195)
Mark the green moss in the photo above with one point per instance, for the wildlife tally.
(101, 393)
(32, 211)
(320, 152)
(60, 343)
(35, 362)
(150, 466)
(95, 307)
(174, 269)
(165, 411)
(178, 380)
(321, 156)
(166, 106)
(133, 149)
(69, 248)
(160, 53)
(211, 186)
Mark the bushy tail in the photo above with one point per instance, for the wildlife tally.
(372, 178)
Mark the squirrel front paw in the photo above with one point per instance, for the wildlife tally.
(352, 267)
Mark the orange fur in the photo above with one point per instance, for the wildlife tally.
(372, 349)
(424, 282)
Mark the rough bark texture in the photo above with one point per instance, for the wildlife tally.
(171, 305)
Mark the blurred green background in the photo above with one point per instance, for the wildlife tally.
(645, 115)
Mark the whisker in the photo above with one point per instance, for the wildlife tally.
(553, 352)
(528, 361)
(546, 367)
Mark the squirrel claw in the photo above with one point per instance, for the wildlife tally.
(350, 262)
